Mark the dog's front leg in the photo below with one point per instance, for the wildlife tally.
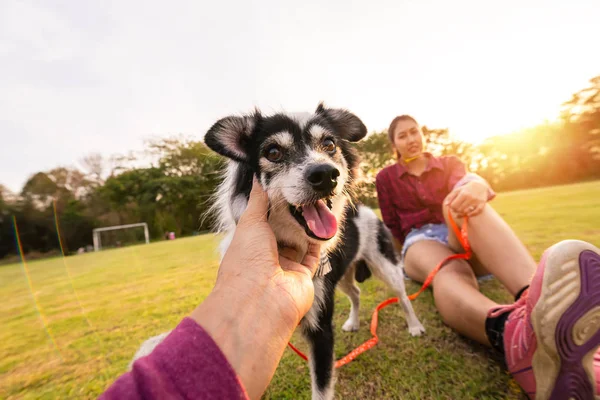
(392, 275)
(318, 330)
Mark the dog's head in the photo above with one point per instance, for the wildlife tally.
(305, 164)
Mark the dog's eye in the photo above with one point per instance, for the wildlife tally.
(274, 153)
(329, 146)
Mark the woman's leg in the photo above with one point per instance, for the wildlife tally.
(550, 337)
(497, 248)
(455, 289)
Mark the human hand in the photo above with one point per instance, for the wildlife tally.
(468, 200)
(259, 298)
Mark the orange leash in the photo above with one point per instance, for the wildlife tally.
(463, 237)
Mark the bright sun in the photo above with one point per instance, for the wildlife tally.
(475, 130)
(512, 104)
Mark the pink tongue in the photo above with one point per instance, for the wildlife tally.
(320, 220)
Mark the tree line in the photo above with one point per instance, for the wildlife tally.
(173, 193)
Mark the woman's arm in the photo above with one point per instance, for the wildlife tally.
(473, 177)
(469, 192)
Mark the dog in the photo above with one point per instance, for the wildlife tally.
(308, 168)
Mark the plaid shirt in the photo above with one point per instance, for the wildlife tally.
(408, 201)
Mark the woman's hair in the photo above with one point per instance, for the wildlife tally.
(395, 122)
(392, 128)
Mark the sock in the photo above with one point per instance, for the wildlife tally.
(494, 326)
(520, 292)
(494, 329)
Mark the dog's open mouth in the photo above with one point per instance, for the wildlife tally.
(317, 219)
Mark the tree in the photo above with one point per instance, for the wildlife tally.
(193, 172)
(581, 117)
(180, 156)
(75, 226)
(173, 194)
(94, 164)
(7, 242)
(40, 190)
(376, 153)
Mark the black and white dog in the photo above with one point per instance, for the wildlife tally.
(308, 168)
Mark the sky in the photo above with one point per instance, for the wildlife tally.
(78, 77)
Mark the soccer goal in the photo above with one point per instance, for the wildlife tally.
(98, 240)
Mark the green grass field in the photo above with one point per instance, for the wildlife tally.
(132, 293)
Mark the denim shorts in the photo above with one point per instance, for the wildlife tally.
(437, 233)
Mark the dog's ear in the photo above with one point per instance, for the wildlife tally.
(349, 126)
(230, 136)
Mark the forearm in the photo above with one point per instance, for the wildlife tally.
(480, 184)
(250, 331)
(472, 177)
(476, 181)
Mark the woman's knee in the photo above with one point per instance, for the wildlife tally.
(453, 271)
(418, 262)
(423, 256)
(413, 269)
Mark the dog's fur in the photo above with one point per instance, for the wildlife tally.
(367, 244)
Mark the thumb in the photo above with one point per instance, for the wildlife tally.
(258, 205)
(312, 258)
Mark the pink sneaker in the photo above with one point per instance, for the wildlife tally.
(553, 331)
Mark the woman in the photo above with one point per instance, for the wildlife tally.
(417, 194)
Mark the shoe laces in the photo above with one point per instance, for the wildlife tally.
(518, 307)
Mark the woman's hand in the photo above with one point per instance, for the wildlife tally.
(468, 200)
(259, 298)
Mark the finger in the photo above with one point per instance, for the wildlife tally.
(258, 205)
(478, 210)
(292, 266)
(472, 212)
(314, 250)
(289, 253)
(312, 257)
(309, 263)
(468, 207)
(459, 204)
(313, 253)
(473, 204)
(450, 198)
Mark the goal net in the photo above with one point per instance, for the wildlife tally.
(120, 235)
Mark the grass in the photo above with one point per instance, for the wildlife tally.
(132, 293)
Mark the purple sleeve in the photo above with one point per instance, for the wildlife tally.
(188, 364)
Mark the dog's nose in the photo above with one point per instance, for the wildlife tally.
(323, 177)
